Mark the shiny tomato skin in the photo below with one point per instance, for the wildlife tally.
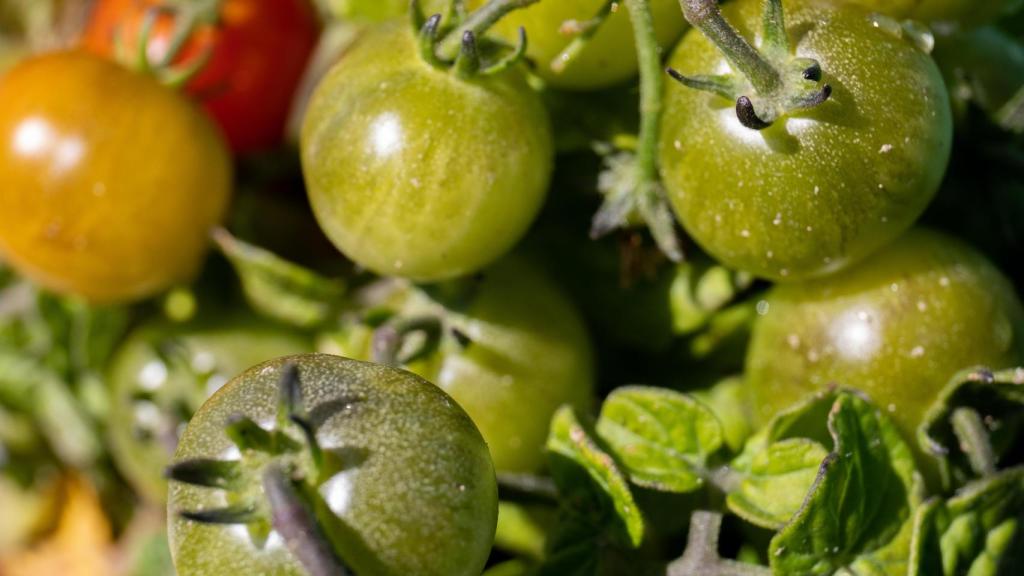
(822, 188)
(259, 51)
(417, 494)
(530, 354)
(610, 55)
(414, 172)
(109, 182)
(897, 326)
(962, 12)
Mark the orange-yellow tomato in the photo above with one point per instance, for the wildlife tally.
(109, 182)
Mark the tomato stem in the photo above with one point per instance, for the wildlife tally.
(634, 189)
(701, 556)
(390, 339)
(187, 18)
(781, 82)
(584, 31)
(527, 489)
(478, 23)
(974, 440)
(651, 88)
(293, 519)
(706, 17)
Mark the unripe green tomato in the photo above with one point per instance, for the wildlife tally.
(164, 372)
(529, 354)
(983, 66)
(897, 327)
(609, 57)
(821, 188)
(415, 493)
(963, 12)
(415, 172)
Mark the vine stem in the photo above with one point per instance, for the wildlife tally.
(294, 520)
(477, 23)
(706, 17)
(974, 440)
(651, 89)
(701, 557)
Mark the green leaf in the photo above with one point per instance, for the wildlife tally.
(663, 438)
(998, 399)
(280, 289)
(771, 477)
(727, 400)
(699, 289)
(979, 532)
(856, 517)
(775, 481)
(590, 480)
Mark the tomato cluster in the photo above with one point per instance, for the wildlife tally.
(410, 339)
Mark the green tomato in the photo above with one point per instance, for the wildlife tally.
(528, 354)
(414, 172)
(820, 188)
(609, 57)
(399, 482)
(965, 12)
(897, 327)
(164, 372)
(984, 66)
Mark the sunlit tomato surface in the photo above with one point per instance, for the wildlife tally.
(965, 12)
(413, 493)
(109, 182)
(529, 354)
(610, 55)
(164, 372)
(822, 188)
(415, 172)
(258, 52)
(898, 327)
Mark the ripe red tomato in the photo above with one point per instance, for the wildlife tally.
(259, 50)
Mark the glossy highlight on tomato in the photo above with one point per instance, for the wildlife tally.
(415, 172)
(258, 51)
(414, 491)
(109, 182)
(896, 327)
(823, 187)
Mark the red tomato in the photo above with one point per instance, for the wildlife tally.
(259, 50)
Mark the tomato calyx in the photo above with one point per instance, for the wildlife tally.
(456, 40)
(771, 82)
(272, 485)
(186, 18)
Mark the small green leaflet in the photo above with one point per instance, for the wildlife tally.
(588, 477)
(771, 477)
(856, 518)
(979, 532)
(663, 438)
(280, 289)
(774, 481)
